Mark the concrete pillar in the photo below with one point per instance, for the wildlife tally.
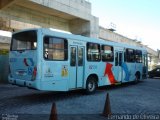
(94, 27)
(85, 28)
(80, 27)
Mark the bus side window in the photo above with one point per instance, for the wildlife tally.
(120, 59)
(73, 56)
(93, 52)
(125, 57)
(130, 55)
(116, 59)
(55, 48)
(107, 53)
(80, 57)
(138, 56)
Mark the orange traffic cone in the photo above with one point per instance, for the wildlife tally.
(107, 108)
(53, 115)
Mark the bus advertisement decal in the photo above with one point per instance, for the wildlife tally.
(109, 72)
(64, 72)
(30, 70)
(125, 68)
(28, 62)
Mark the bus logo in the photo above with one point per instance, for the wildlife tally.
(48, 73)
(28, 62)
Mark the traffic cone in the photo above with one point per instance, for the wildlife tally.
(107, 107)
(53, 115)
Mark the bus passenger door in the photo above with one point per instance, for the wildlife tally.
(76, 67)
(118, 66)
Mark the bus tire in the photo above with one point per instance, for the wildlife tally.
(91, 85)
(137, 77)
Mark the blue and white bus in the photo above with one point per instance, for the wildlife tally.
(47, 60)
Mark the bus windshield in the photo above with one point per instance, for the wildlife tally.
(24, 41)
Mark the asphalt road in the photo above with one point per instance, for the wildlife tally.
(142, 99)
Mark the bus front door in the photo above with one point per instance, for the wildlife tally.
(118, 66)
(76, 71)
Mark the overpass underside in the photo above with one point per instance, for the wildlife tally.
(23, 14)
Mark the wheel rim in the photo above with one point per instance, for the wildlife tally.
(91, 86)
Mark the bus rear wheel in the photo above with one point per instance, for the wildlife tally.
(137, 77)
(91, 85)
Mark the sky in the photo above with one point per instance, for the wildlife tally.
(135, 19)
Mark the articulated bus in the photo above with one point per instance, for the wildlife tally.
(44, 59)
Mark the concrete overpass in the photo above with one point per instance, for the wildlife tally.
(69, 15)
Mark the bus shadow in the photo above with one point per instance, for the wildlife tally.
(156, 78)
(115, 87)
(47, 97)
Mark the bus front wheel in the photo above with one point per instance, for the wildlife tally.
(91, 85)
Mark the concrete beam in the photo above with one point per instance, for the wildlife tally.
(4, 46)
(18, 17)
(152, 52)
(6, 3)
(112, 36)
(43, 9)
(76, 8)
(5, 40)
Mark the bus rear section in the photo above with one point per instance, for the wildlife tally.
(23, 59)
